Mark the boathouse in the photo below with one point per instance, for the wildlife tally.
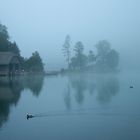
(9, 64)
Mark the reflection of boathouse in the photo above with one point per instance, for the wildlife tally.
(10, 91)
(9, 64)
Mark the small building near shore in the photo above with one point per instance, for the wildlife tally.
(9, 64)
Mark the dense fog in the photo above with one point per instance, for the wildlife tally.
(43, 25)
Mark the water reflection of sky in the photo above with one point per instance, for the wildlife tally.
(106, 99)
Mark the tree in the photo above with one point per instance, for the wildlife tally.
(107, 58)
(113, 59)
(91, 57)
(73, 63)
(4, 38)
(103, 47)
(66, 49)
(79, 60)
(34, 63)
(14, 48)
(79, 48)
(5, 43)
(3, 32)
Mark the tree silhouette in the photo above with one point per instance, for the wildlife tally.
(5, 43)
(66, 49)
(107, 58)
(79, 61)
(34, 63)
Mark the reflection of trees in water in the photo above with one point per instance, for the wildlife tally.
(79, 84)
(34, 83)
(67, 97)
(106, 86)
(10, 90)
(91, 84)
(4, 112)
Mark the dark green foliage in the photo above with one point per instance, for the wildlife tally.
(4, 38)
(34, 63)
(5, 43)
(14, 48)
(3, 32)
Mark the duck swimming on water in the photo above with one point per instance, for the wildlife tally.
(29, 116)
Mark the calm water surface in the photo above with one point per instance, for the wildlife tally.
(71, 107)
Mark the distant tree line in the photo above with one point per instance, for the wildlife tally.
(105, 59)
(31, 64)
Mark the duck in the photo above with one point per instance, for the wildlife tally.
(29, 116)
(131, 86)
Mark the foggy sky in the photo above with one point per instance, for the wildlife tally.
(43, 24)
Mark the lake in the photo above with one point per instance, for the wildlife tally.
(71, 107)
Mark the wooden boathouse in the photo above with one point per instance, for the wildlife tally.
(9, 64)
